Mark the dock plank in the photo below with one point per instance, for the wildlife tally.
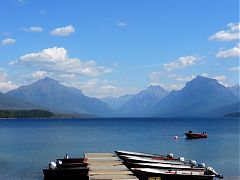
(119, 168)
(112, 177)
(106, 166)
(94, 155)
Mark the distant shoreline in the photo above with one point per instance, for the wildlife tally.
(33, 113)
(46, 114)
(75, 117)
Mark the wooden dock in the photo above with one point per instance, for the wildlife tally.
(106, 166)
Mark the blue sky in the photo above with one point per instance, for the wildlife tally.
(117, 47)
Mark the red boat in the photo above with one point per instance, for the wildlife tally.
(191, 135)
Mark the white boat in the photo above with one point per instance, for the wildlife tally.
(136, 159)
(137, 154)
(162, 166)
(164, 174)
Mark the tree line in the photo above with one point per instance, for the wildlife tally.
(33, 113)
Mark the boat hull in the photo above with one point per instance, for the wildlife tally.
(161, 166)
(159, 176)
(130, 153)
(133, 159)
(71, 165)
(195, 135)
(73, 160)
(123, 154)
(66, 173)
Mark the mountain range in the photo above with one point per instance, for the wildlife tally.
(58, 98)
(201, 96)
(141, 103)
(116, 102)
(235, 90)
(8, 102)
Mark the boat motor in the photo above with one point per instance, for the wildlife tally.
(52, 165)
(182, 159)
(59, 162)
(201, 165)
(170, 155)
(192, 163)
(211, 171)
(66, 156)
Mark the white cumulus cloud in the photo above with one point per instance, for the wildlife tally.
(56, 60)
(181, 62)
(33, 29)
(63, 31)
(231, 34)
(67, 76)
(220, 77)
(229, 53)
(169, 80)
(39, 74)
(102, 88)
(5, 84)
(8, 41)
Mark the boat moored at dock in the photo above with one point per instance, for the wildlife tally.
(147, 155)
(73, 160)
(67, 168)
(150, 168)
(162, 166)
(71, 165)
(107, 166)
(165, 174)
(135, 159)
(66, 173)
(131, 153)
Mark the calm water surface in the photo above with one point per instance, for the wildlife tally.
(27, 145)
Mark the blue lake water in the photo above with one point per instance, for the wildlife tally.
(28, 145)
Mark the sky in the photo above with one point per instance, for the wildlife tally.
(117, 47)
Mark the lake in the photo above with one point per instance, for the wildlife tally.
(28, 145)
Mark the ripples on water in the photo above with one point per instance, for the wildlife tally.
(27, 145)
